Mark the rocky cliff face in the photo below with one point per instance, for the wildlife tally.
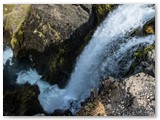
(50, 37)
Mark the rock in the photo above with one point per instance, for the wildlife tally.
(111, 79)
(40, 33)
(95, 108)
(60, 112)
(12, 22)
(144, 64)
(51, 36)
(134, 96)
(40, 114)
(93, 95)
(142, 88)
(108, 106)
(21, 101)
(150, 70)
(7, 8)
(138, 69)
(149, 28)
(151, 56)
(144, 61)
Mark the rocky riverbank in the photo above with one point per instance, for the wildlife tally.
(49, 38)
(130, 96)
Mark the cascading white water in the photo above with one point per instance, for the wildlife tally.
(7, 55)
(108, 53)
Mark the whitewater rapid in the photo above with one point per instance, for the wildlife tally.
(7, 55)
(109, 52)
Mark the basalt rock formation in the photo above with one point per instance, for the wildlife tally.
(52, 36)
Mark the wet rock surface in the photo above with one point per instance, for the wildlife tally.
(147, 64)
(22, 101)
(132, 96)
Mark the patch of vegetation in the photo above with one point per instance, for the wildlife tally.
(14, 19)
(57, 61)
(20, 32)
(102, 10)
(88, 109)
(149, 30)
(13, 42)
(57, 34)
(149, 27)
(141, 53)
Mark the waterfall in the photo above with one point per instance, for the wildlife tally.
(109, 52)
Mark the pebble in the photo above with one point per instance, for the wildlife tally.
(111, 78)
(108, 106)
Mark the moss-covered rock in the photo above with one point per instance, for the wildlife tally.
(13, 20)
(55, 39)
(149, 27)
(140, 56)
(102, 10)
(95, 108)
(7, 8)
(149, 30)
(142, 53)
(22, 101)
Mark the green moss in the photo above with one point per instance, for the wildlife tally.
(40, 34)
(53, 65)
(57, 61)
(20, 32)
(87, 108)
(37, 16)
(141, 53)
(102, 10)
(44, 28)
(15, 18)
(31, 21)
(35, 31)
(149, 48)
(13, 21)
(61, 61)
(57, 34)
(13, 42)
